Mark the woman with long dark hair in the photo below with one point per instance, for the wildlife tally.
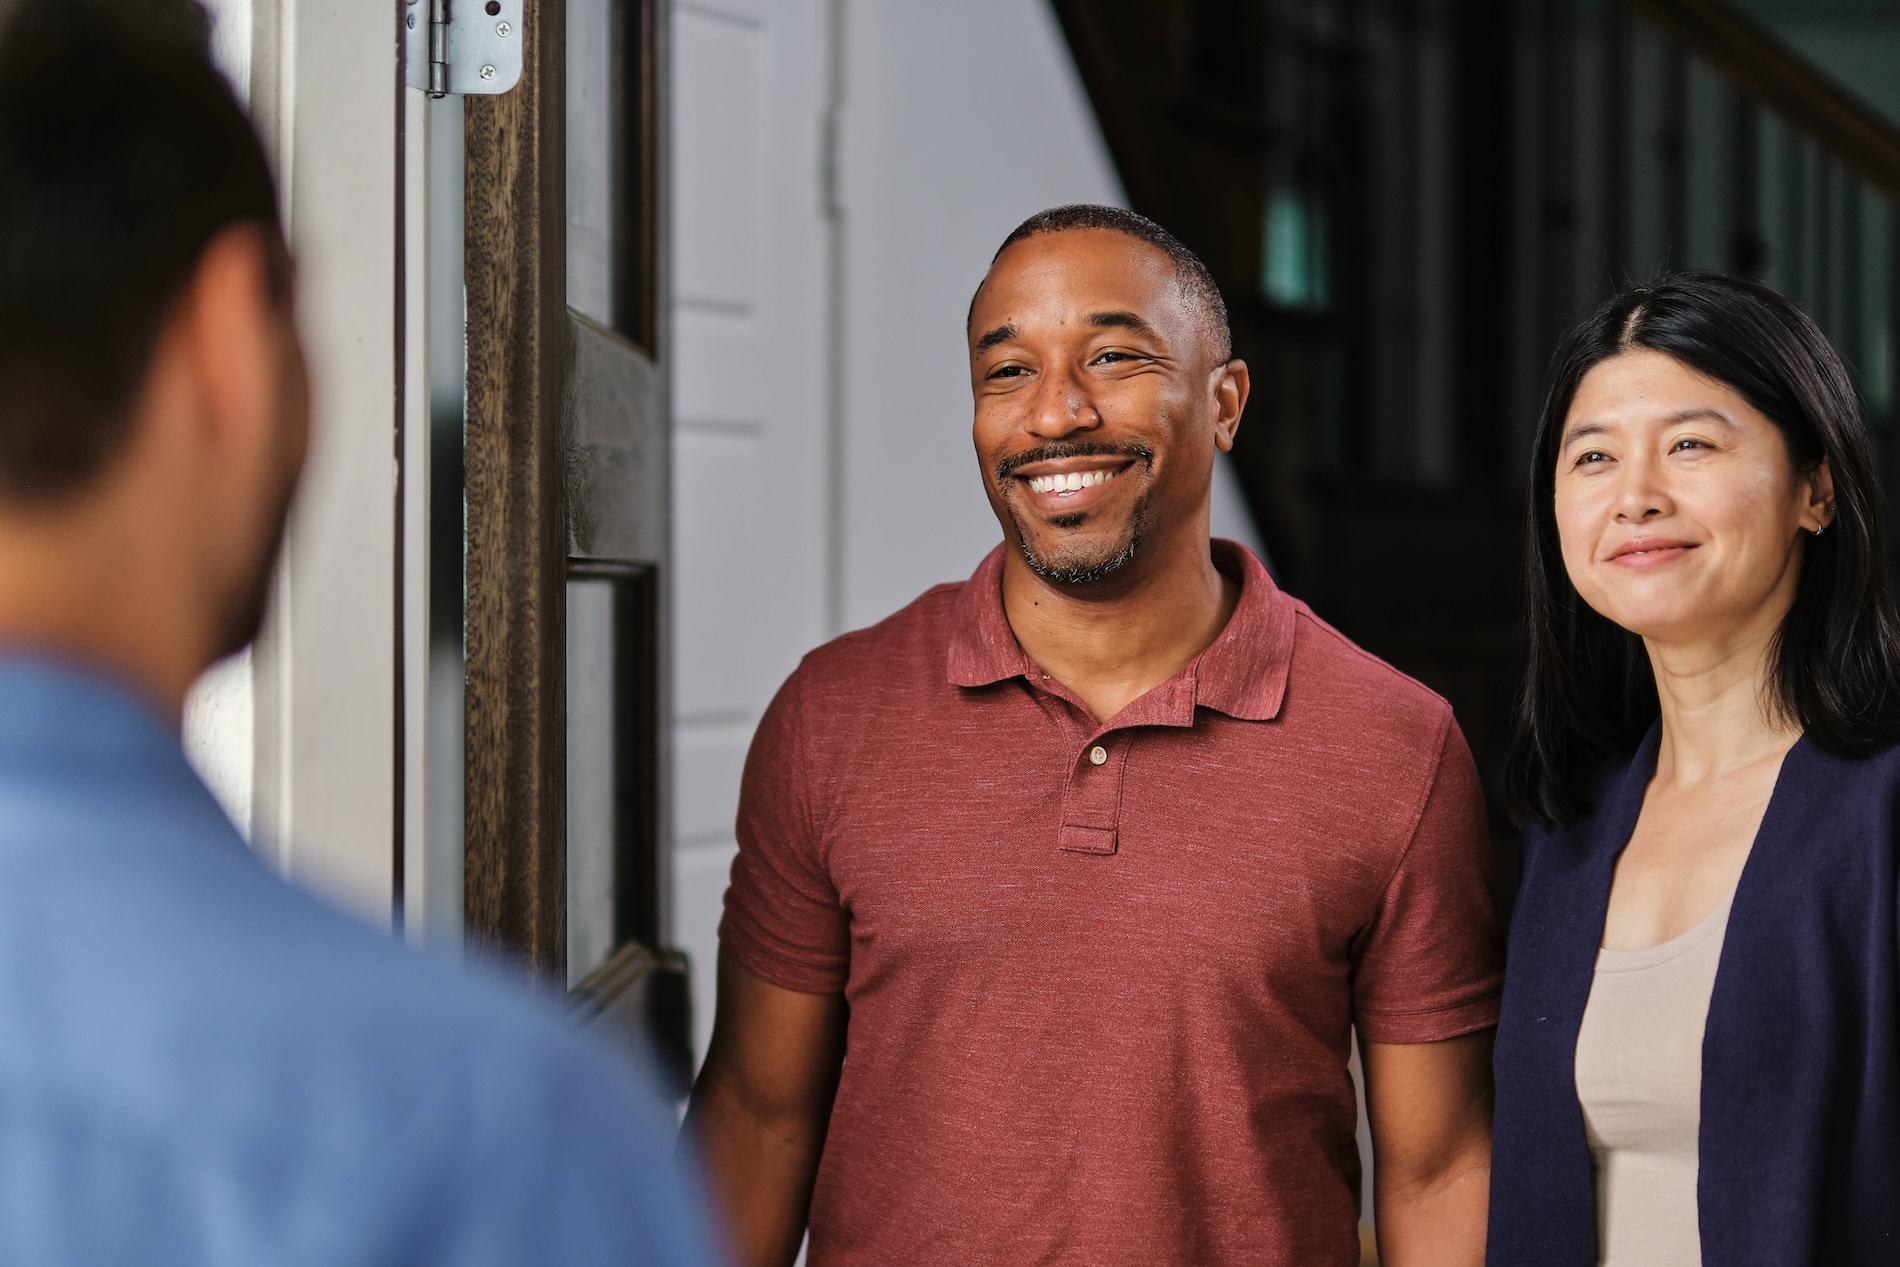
(1699, 1056)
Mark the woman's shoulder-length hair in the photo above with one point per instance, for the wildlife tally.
(1587, 691)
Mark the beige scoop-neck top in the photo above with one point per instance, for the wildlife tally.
(1639, 1077)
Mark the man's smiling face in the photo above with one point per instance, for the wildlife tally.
(1093, 371)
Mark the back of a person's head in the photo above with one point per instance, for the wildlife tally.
(123, 152)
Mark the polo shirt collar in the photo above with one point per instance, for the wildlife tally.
(1242, 673)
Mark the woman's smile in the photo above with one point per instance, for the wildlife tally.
(1649, 552)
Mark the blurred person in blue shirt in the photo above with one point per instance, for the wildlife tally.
(199, 1064)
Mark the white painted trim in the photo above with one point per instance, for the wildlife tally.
(414, 516)
(325, 87)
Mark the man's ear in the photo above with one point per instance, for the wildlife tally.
(228, 318)
(1231, 385)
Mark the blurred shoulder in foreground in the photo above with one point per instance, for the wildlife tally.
(198, 1063)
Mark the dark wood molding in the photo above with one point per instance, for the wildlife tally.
(639, 111)
(515, 890)
(636, 740)
(1757, 60)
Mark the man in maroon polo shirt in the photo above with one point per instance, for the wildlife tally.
(1060, 893)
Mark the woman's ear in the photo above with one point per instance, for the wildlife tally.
(1819, 511)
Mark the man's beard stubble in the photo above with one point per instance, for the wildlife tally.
(1080, 565)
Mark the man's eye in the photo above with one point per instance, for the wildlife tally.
(1680, 445)
(1009, 371)
(1109, 357)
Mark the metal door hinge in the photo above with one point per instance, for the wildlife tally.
(466, 47)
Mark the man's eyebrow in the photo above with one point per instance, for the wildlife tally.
(1123, 321)
(1001, 334)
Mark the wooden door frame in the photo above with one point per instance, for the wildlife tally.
(515, 706)
(567, 475)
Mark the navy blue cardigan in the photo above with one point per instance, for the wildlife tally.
(1800, 1139)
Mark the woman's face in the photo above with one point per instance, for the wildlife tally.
(1678, 507)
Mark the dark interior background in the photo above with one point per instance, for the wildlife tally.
(1406, 201)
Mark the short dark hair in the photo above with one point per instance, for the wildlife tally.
(1196, 281)
(123, 152)
(1588, 690)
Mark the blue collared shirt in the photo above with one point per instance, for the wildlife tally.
(200, 1064)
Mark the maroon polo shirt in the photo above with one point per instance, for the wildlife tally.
(1102, 978)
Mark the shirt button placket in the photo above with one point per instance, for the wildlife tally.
(1091, 800)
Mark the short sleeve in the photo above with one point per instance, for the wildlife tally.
(1430, 966)
(783, 917)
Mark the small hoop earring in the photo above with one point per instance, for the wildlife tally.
(1820, 530)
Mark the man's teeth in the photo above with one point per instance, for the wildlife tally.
(1073, 482)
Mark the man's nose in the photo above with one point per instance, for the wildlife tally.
(1061, 408)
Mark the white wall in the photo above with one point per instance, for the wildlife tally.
(750, 484)
(962, 121)
(843, 172)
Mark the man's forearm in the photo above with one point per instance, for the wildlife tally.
(761, 1172)
(1429, 1107)
(762, 1106)
(1437, 1221)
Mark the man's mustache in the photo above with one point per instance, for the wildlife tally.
(1077, 449)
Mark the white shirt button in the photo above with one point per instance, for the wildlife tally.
(1098, 755)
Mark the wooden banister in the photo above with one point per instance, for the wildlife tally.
(1757, 61)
